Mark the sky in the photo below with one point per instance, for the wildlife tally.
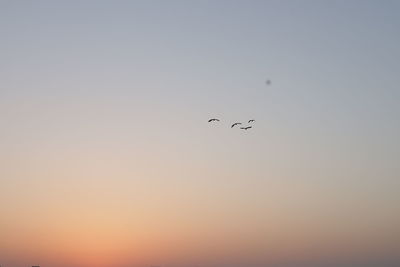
(107, 158)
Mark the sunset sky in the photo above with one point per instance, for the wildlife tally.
(107, 158)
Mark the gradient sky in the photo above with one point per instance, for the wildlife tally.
(107, 159)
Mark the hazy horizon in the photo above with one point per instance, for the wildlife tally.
(107, 158)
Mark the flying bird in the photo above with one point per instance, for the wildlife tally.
(211, 120)
(246, 128)
(236, 123)
(250, 121)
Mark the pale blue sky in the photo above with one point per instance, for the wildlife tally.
(134, 82)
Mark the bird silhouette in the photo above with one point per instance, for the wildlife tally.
(246, 128)
(236, 123)
(250, 121)
(211, 120)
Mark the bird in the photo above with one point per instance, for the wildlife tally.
(211, 120)
(268, 82)
(236, 123)
(250, 121)
(246, 128)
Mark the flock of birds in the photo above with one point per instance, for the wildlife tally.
(268, 82)
(236, 123)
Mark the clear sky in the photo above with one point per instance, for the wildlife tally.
(107, 159)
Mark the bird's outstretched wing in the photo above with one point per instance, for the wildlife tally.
(250, 121)
(210, 120)
(246, 128)
(236, 123)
